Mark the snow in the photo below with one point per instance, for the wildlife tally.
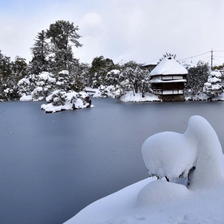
(114, 71)
(169, 154)
(214, 80)
(168, 67)
(26, 98)
(46, 76)
(216, 74)
(190, 207)
(64, 72)
(24, 81)
(161, 192)
(104, 91)
(50, 108)
(158, 201)
(158, 80)
(137, 97)
(210, 164)
(60, 100)
(214, 86)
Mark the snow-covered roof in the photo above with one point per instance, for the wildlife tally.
(169, 66)
(158, 80)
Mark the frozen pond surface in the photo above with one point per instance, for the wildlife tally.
(53, 165)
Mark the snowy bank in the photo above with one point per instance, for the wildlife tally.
(137, 97)
(184, 208)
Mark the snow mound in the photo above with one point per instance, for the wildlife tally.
(210, 164)
(169, 154)
(168, 66)
(160, 192)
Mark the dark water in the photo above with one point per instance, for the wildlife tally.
(51, 166)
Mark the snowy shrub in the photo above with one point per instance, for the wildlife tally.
(38, 86)
(213, 87)
(60, 100)
(110, 91)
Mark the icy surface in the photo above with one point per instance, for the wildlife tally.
(168, 67)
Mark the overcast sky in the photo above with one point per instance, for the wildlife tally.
(140, 30)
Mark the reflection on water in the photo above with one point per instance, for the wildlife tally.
(51, 166)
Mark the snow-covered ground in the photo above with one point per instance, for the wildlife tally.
(178, 206)
(137, 97)
(159, 201)
(204, 97)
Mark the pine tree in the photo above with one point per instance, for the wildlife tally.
(63, 36)
(196, 78)
(40, 52)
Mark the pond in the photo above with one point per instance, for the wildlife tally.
(53, 165)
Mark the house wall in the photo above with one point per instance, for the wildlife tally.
(168, 86)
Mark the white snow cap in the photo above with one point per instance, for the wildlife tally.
(169, 66)
(169, 154)
(172, 154)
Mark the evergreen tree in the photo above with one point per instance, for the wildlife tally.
(196, 77)
(136, 78)
(63, 36)
(40, 52)
(99, 68)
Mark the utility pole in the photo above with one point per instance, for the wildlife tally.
(212, 58)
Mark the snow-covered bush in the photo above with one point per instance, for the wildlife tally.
(213, 87)
(38, 86)
(111, 91)
(135, 79)
(61, 100)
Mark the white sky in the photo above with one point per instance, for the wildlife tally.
(140, 30)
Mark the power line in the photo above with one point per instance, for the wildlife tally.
(198, 55)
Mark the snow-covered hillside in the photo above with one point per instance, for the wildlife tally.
(199, 201)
